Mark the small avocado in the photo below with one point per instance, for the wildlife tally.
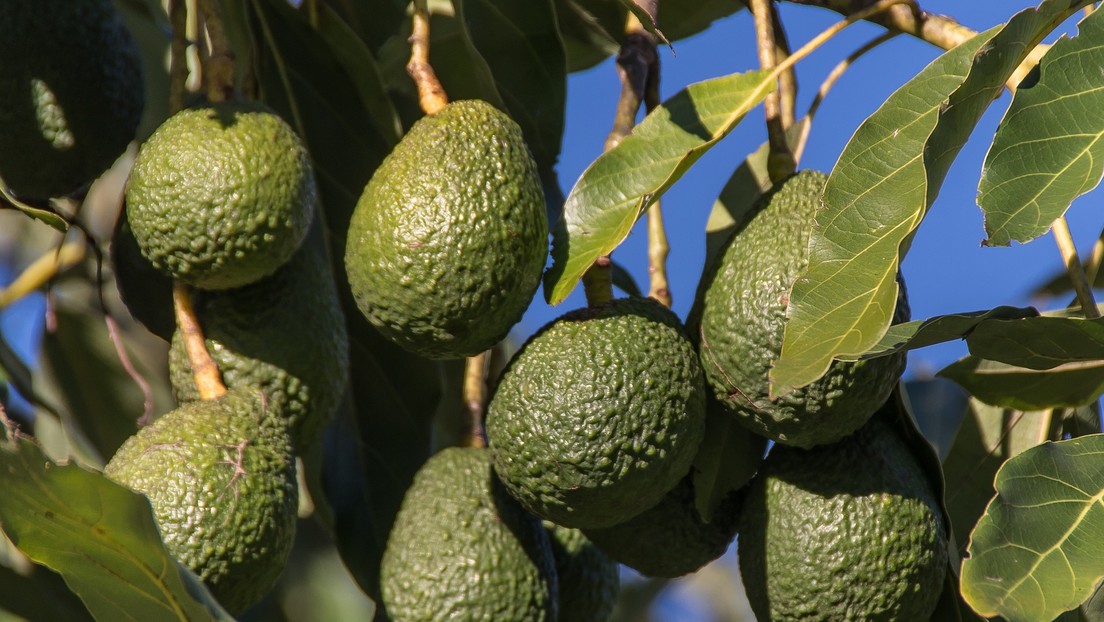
(462, 549)
(284, 334)
(71, 94)
(448, 241)
(220, 476)
(589, 579)
(742, 304)
(846, 531)
(598, 414)
(221, 195)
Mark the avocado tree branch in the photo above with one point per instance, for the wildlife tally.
(1081, 284)
(475, 396)
(787, 82)
(218, 71)
(780, 162)
(658, 248)
(938, 30)
(431, 95)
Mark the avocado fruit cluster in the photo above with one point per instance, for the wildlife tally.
(599, 414)
(742, 305)
(220, 476)
(588, 578)
(447, 243)
(71, 94)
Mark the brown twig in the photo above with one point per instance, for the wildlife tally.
(780, 161)
(938, 30)
(218, 70)
(475, 397)
(431, 95)
(204, 370)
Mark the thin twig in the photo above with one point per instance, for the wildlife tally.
(219, 68)
(475, 397)
(658, 248)
(780, 161)
(204, 370)
(1077, 276)
(938, 30)
(431, 95)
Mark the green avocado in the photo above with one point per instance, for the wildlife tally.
(589, 579)
(71, 94)
(448, 241)
(284, 334)
(846, 531)
(462, 550)
(742, 305)
(599, 414)
(221, 195)
(220, 476)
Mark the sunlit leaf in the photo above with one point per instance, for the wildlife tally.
(881, 188)
(1035, 553)
(1039, 342)
(999, 384)
(1049, 149)
(938, 329)
(727, 459)
(100, 536)
(617, 187)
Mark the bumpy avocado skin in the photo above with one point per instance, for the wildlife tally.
(599, 414)
(71, 93)
(221, 479)
(462, 550)
(846, 531)
(670, 539)
(589, 579)
(221, 195)
(448, 241)
(284, 334)
(742, 304)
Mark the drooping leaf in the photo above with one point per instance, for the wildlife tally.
(623, 280)
(100, 536)
(619, 186)
(938, 329)
(881, 188)
(999, 384)
(38, 594)
(727, 459)
(1039, 342)
(1035, 553)
(146, 292)
(1049, 148)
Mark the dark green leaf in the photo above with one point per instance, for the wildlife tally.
(39, 594)
(40, 214)
(1035, 553)
(1039, 342)
(146, 292)
(591, 30)
(100, 536)
(727, 459)
(624, 281)
(645, 20)
(938, 406)
(1036, 166)
(1069, 385)
(617, 187)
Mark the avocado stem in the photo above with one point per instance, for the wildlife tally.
(204, 370)
(431, 95)
(658, 248)
(1076, 272)
(475, 396)
(780, 161)
(218, 71)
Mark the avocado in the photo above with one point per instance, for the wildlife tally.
(284, 334)
(448, 241)
(220, 476)
(599, 414)
(221, 195)
(589, 579)
(71, 94)
(742, 305)
(461, 549)
(846, 531)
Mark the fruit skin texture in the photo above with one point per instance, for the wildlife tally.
(599, 414)
(221, 480)
(222, 195)
(678, 541)
(743, 303)
(71, 93)
(447, 243)
(847, 531)
(589, 579)
(462, 550)
(284, 334)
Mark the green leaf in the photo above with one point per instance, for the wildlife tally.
(591, 30)
(999, 384)
(623, 280)
(938, 329)
(727, 459)
(1039, 342)
(8, 201)
(100, 536)
(881, 188)
(1035, 553)
(938, 406)
(617, 187)
(146, 292)
(645, 20)
(1049, 148)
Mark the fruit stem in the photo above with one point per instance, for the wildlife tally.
(787, 82)
(475, 397)
(780, 161)
(658, 248)
(41, 271)
(1073, 267)
(218, 71)
(178, 50)
(431, 95)
(204, 370)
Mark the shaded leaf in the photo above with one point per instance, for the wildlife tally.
(146, 292)
(727, 458)
(100, 536)
(1041, 160)
(938, 329)
(1039, 342)
(40, 214)
(617, 187)
(1060, 284)
(999, 384)
(645, 20)
(591, 30)
(1035, 553)
(881, 188)
(938, 406)
(623, 280)
(39, 594)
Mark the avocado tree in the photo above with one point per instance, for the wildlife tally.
(291, 291)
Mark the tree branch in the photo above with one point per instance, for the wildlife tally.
(938, 30)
